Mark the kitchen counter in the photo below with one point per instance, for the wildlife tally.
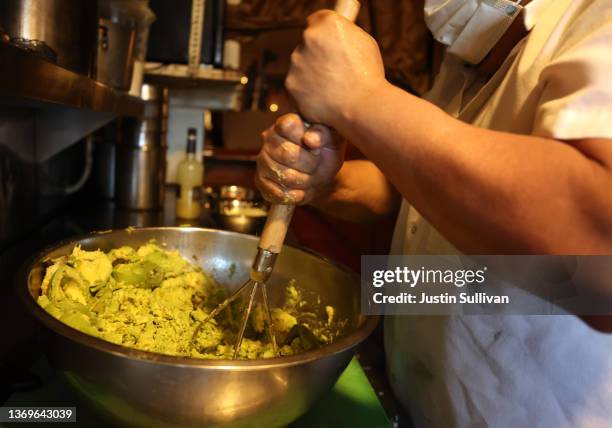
(85, 215)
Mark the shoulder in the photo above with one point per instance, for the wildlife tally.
(587, 23)
(576, 93)
(582, 49)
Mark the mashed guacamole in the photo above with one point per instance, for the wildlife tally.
(152, 299)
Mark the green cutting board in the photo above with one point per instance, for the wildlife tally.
(351, 403)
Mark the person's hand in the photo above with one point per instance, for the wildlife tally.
(336, 65)
(296, 164)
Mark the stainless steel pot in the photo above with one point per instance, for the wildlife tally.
(120, 23)
(68, 27)
(140, 171)
(143, 389)
(139, 177)
(116, 44)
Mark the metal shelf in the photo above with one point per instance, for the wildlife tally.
(26, 79)
(181, 75)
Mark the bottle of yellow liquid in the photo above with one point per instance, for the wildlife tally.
(190, 176)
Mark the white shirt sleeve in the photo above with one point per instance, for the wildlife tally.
(576, 99)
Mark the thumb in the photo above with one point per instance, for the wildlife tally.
(320, 136)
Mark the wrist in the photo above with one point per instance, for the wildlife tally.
(360, 103)
(323, 196)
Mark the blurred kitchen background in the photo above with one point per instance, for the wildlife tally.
(97, 99)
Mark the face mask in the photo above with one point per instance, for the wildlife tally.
(470, 28)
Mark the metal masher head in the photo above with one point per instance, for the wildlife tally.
(260, 272)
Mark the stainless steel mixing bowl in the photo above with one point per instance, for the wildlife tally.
(137, 388)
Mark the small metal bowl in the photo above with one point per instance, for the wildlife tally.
(238, 192)
(236, 208)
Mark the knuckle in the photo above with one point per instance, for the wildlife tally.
(289, 153)
(329, 17)
(270, 157)
(324, 14)
(275, 158)
(297, 196)
(282, 127)
(309, 35)
(290, 83)
(285, 123)
(292, 178)
(333, 19)
(276, 175)
(314, 17)
(268, 140)
(313, 137)
(288, 129)
(303, 181)
(330, 14)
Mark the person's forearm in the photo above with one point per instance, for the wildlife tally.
(486, 191)
(360, 193)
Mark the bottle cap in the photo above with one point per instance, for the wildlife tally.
(192, 140)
